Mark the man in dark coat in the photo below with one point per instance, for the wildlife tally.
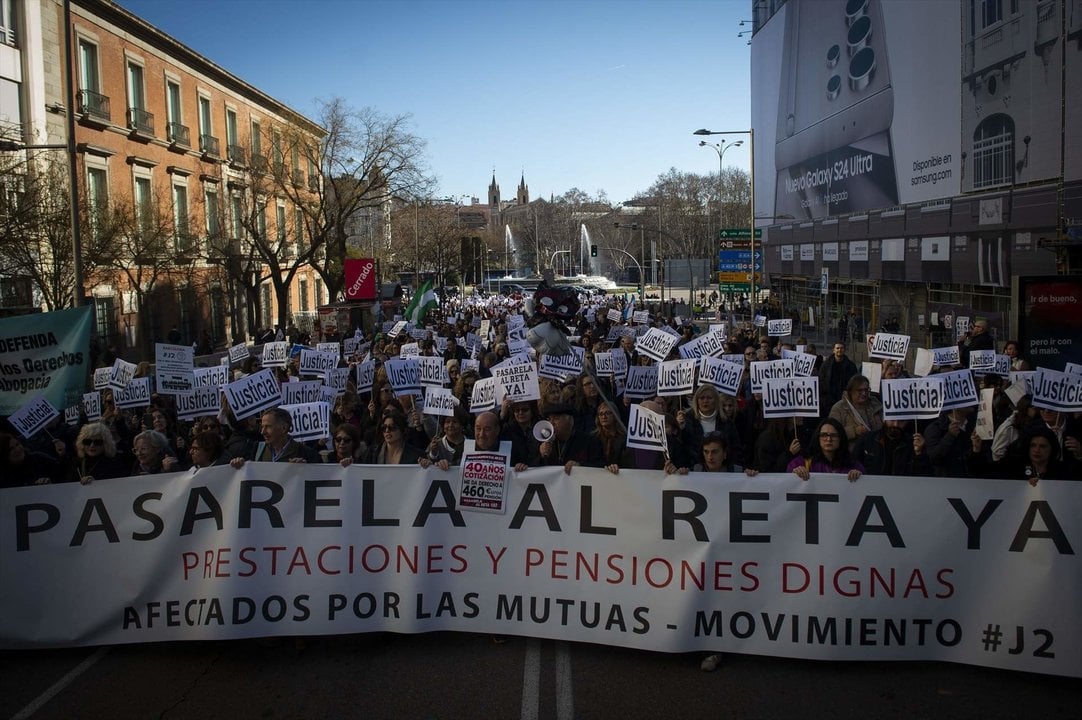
(976, 339)
(567, 447)
(833, 377)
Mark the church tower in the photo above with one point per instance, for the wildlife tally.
(493, 204)
(523, 197)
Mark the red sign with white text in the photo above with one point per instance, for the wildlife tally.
(360, 279)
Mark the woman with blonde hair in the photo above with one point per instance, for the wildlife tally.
(95, 455)
(705, 417)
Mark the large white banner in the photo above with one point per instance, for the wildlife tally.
(984, 572)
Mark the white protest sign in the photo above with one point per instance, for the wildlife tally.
(656, 344)
(253, 393)
(770, 369)
(734, 358)
(779, 328)
(317, 363)
(619, 364)
(640, 317)
(791, 397)
(409, 350)
(561, 367)
(710, 343)
(397, 329)
(311, 421)
(603, 363)
(961, 325)
(432, 371)
(328, 394)
(646, 430)
(238, 353)
(760, 321)
(614, 315)
(121, 374)
(913, 398)
(440, 401)
(923, 363)
(299, 392)
(366, 374)
(985, 427)
(519, 381)
(331, 348)
(207, 376)
(336, 379)
(518, 346)
(641, 382)
(1072, 368)
(92, 405)
(484, 395)
(982, 361)
(724, 376)
(201, 402)
(1002, 366)
(275, 354)
(137, 394)
(404, 375)
(515, 320)
(71, 415)
(101, 378)
(946, 356)
(35, 414)
(1058, 391)
(676, 377)
(959, 389)
(889, 346)
(874, 372)
(803, 363)
(483, 487)
(470, 366)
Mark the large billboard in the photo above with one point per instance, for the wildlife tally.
(856, 106)
(1072, 93)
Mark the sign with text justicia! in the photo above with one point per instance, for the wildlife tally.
(983, 572)
(360, 277)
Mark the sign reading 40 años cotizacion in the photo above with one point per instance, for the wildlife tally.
(45, 353)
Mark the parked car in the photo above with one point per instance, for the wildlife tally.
(511, 288)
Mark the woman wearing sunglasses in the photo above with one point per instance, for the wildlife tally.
(393, 450)
(348, 446)
(95, 455)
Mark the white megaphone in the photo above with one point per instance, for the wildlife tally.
(543, 431)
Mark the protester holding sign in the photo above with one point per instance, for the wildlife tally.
(486, 430)
(858, 411)
(829, 454)
(705, 417)
(611, 433)
(976, 339)
(776, 445)
(947, 441)
(518, 419)
(95, 455)
(1012, 429)
(446, 448)
(893, 449)
(348, 446)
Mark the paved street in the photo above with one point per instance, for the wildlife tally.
(452, 675)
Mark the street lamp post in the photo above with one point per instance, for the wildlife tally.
(642, 251)
(751, 148)
(720, 149)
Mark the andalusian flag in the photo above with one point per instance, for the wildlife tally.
(423, 301)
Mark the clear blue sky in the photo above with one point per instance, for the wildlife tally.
(599, 95)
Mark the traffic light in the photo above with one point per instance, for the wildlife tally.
(593, 251)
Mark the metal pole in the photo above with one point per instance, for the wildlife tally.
(751, 276)
(76, 230)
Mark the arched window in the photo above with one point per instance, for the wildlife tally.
(993, 152)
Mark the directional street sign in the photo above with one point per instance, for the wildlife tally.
(738, 267)
(734, 287)
(736, 277)
(731, 233)
(741, 255)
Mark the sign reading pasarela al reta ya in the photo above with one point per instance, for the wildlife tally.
(46, 353)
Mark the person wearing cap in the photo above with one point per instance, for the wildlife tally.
(566, 447)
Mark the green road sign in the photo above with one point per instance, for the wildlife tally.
(731, 233)
(734, 287)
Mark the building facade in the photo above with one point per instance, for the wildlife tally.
(923, 176)
(181, 167)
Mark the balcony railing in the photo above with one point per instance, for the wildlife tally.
(141, 120)
(94, 105)
(178, 134)
(259, 163)
(298, 177)
(313, 182)
(208, 145)
(236, 154)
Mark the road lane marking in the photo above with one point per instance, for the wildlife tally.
(60, 684)
(565, 695)
(531, 680)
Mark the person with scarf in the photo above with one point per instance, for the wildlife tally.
(857, 411)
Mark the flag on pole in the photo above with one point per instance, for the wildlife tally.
(629, 310)
(423, 301)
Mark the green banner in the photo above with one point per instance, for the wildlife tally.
(46, 353)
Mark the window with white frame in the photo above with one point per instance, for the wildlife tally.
(298, 227)
(89, 74)
(181, 230)
(8, 22)
(97, 193)
(177, 132)
(144, 208)
(318, 299)
(211, 210)
(236, 208)
(205, 126)
(137, 99)
(280, 222)
(993, 152)
(302, 294)
(257, 139)
(261, 220)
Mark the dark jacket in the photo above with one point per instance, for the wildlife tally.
(883, 456)
(948, 452)
(583, 448)
(833, 377)
(293, 449)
